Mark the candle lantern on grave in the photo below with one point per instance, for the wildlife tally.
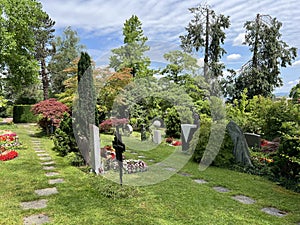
(119, 147)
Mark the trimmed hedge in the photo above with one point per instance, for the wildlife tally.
(23, 114)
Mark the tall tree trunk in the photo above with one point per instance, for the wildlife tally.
(206, 45)
(45, 79)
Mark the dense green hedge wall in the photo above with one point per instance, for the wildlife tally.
(23, 114)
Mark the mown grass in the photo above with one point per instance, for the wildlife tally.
(88, 199)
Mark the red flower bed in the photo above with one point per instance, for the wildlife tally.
(8, 155)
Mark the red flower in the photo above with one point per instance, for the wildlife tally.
(8, 155)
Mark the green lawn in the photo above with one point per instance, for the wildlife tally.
(88, 199)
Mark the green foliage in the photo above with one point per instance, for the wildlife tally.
(225, 157)
(278, 113)
(64, 139)
(181, 64)
(18, 23)
(172, 122)
(74, 159)
(206, 30)
(131, 54)
(261, 74)
(286, 165)
(295, 93)
(23, 114)
(67, 49)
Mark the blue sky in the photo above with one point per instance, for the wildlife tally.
(99, 25)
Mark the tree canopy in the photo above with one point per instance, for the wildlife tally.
(131, 54)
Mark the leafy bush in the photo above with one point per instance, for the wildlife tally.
(106, 125)
(22, 114)
(75, 159)
(286, 165)
(173, 122)
(50, 112)
(278, 113)
(64, 139)
(225, 157)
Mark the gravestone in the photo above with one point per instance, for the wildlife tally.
(187, 132)
(253, 140)
(95, 150)
(157, 136)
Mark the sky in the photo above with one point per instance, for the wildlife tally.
(99, 25)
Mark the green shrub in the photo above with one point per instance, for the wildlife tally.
(23, 114)
(63, 138)
(75, 159)
(225, 157)
(173, 122)
(286, 165)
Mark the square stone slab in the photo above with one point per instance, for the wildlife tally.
(45, 158)
(48, 167)
(200, 181)
(274, 212)
(56, 181)
(48, 163)
(221, 189)
(43, 154)
(244, 199)
(36, 219)
(39, 204)
(51, 174)
(184, 174)
(46, 191)
(39, 151)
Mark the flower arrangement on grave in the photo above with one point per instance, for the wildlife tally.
(8, 155)
(134, 166)
(8, 139)
(176, 143)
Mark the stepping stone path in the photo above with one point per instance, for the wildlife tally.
(47, 164)
(46, 191)
(244, 199)
(221, 189)
(184, 174)
(274, 212)
(48, 167)
(39, 204)
(56, 181)
(36, 219)
(51, 174)
(200, 181)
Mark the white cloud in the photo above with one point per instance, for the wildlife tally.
(233, 57)
(296, 63)
(239, 40)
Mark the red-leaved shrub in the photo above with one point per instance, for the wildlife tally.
(51, 111)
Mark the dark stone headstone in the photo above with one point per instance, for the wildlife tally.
(253, 140)
(187, 132)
